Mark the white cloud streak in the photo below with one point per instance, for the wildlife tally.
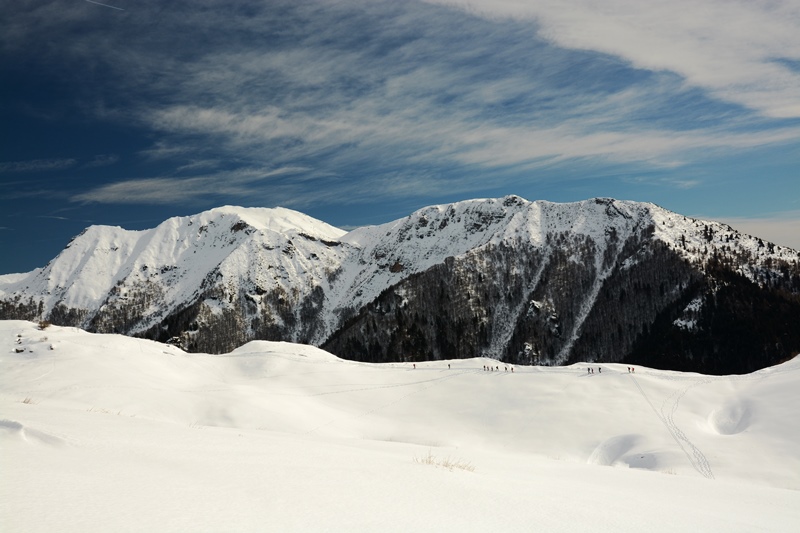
(458, 137)
(105, 5)
(168, 190)
(103, 160)
(731, 48)
(37, 165)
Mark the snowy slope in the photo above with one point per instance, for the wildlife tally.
(109, 433)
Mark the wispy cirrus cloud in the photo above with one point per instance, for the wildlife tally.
(37, 165)
(418, 134)
(102, 160)
(741, 51)
(167, 190)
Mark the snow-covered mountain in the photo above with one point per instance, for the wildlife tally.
(525, 282)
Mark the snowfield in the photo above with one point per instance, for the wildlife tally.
(110, 433)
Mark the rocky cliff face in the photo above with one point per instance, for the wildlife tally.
(523, 282)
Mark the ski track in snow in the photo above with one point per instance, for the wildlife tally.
(696, 457)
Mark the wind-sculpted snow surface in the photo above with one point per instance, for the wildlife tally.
(514, 280)
(110, 433)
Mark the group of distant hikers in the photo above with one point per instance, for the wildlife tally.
(590, 370)
(496, 368)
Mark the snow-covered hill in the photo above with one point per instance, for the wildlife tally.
(111, 433)
(522, 281)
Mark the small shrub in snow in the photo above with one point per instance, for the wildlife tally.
(447, 462)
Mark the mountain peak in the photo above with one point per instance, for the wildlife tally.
(276, 219)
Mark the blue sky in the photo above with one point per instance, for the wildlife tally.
(361, 111)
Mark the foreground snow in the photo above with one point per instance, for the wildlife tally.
(109, 433)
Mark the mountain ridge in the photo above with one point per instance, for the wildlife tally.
(536, 282)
